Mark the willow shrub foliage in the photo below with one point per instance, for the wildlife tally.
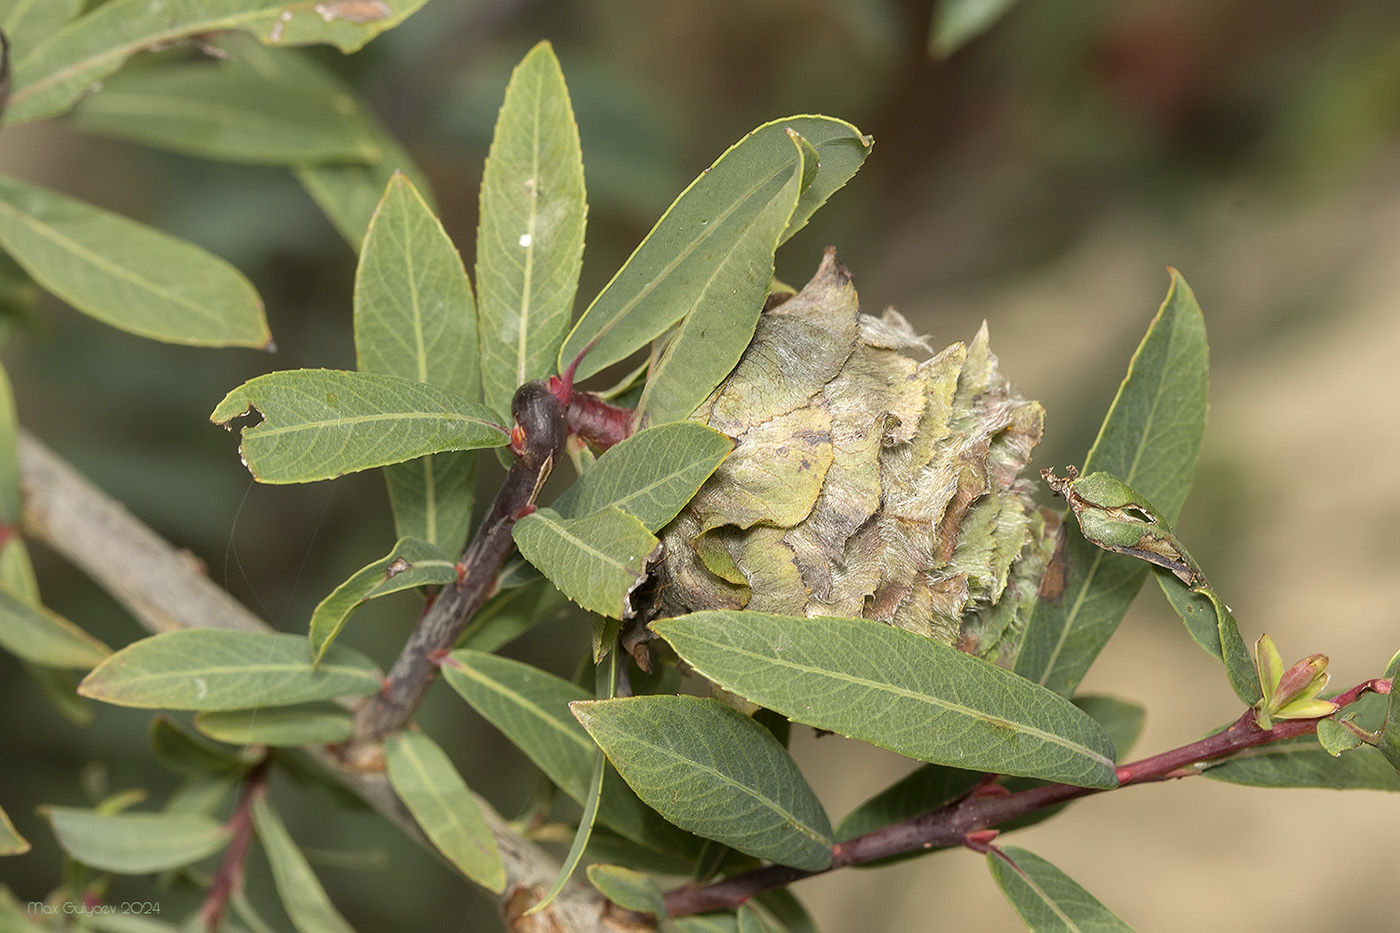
(803, 506)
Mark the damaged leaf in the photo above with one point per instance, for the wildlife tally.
(597, 560)
(410, 564)
(320, 423)
(863, 481)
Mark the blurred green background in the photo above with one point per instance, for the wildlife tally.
(1042, 178)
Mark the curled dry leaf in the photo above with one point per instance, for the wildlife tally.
(865, 481)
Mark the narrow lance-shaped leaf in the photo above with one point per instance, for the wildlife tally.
(628, 889)
(11, 505)
(1151, 439)
(53, 75)
(279, 726)
(717, 323)
(213, 669)
(415, 318)
(531, 708)
(411, 563)
(425, 780)
(712, 770)
(597, 561)
(529, 247)
(1046, 898)
(135, 843)
(126, 274)
(183, 752)
(958, 22)
(348, 193)
(650, 475)
(1117, 518)
(303, 897)
(658, 285)
(1390, 728)
(605, 688)
(895, 689)
(42, 636)
(257, 105)
(28, 22)
(320, 423)
(11, 842)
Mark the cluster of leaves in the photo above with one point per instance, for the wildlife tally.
(677, 785)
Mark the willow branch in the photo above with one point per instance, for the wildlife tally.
(167, 589)
(989, 806)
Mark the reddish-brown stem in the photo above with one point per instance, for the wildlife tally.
(228, 878)
(537, 440)
(972, 814)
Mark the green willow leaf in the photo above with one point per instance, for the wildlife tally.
(1389, 744)
(1150, 439)
(628, 889)
(529, 247)
(410, 564)
(126, 274)
(321, 423)
(718, 921)
(597, 561)
(787, 910)
(282, 726)
(11, 501)
(425, 780)
(52, 76)
(1046, 898)
(712, 770)
(219, 669)
(348, 193)
(1121, 719)
(179, 750)
(716, 325)
(415, 318)
(258, 106)
(650, 475)
(531, 708)
(895, 689)
(28, 22)
(303, 897)
(958, 22)
(135, 843)
(44, 637)
(686, 249)
(11, 842)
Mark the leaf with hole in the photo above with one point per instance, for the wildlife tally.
(322, 423)
(126, 274)
(425, 780)
(895, 689)
(218, 669)
(712, 770)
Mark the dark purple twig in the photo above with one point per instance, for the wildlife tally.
(536, 441)
(968, 817)
(228, 878)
